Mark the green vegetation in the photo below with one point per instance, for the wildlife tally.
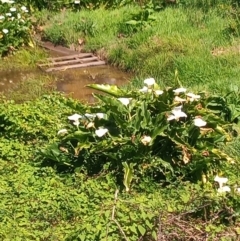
(15, 26)
(144, 163)
(201, 45)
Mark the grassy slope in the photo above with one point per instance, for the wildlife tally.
(179, 39)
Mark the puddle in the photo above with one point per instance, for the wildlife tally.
(72, 82)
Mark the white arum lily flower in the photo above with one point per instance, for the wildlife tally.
(13, 9)
(124, 101)
(23, 8)
(221, 181)
(179, 99)
(5, 31)
(101, 132)
(100, 115)
(180, 90)
(62, 131)
(146, 140)
(77, 2)
(8, 14)
(2, 17)
(238, 189)
(144, 89)
(193, 97)
(224, 189)
(176, 113)
(149, 82)
(89, 116)
(158, 92)
(74, 117)
(199, 122)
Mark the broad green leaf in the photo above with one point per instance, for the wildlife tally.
(128, 174)
(109, 89)
(132, 22)
(141, 229)
(78, 135)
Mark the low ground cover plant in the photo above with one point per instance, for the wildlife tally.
(110, 171)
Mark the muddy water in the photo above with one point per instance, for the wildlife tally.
(72, 82)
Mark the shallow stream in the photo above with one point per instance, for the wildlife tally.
(72, 82)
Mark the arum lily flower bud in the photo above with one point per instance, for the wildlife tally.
(180, 90)
(158, 92)
(124, 101)
(146, 140)
(62, 131)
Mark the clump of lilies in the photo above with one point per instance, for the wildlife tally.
(150, 120)
(222, 188)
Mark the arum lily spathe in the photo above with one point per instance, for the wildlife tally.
(149, 82)
(179, 99)
(146, 140)
(100, 115)
(23, 8)
(193, 97)
(124, 101)
(5, 31)
(158, 92)
(92, 116)
(180, 90)
(74, 117)
(224, 189)
(62, 131)
(220, 181)
(177, 113)
(101, 132)
(89, 116)
(144, 89)
(199, 122)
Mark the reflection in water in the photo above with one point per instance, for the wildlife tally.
(71, 82)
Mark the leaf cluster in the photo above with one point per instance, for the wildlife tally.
(146, 136)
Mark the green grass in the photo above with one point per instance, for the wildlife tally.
(180, 39)
(28, 81)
